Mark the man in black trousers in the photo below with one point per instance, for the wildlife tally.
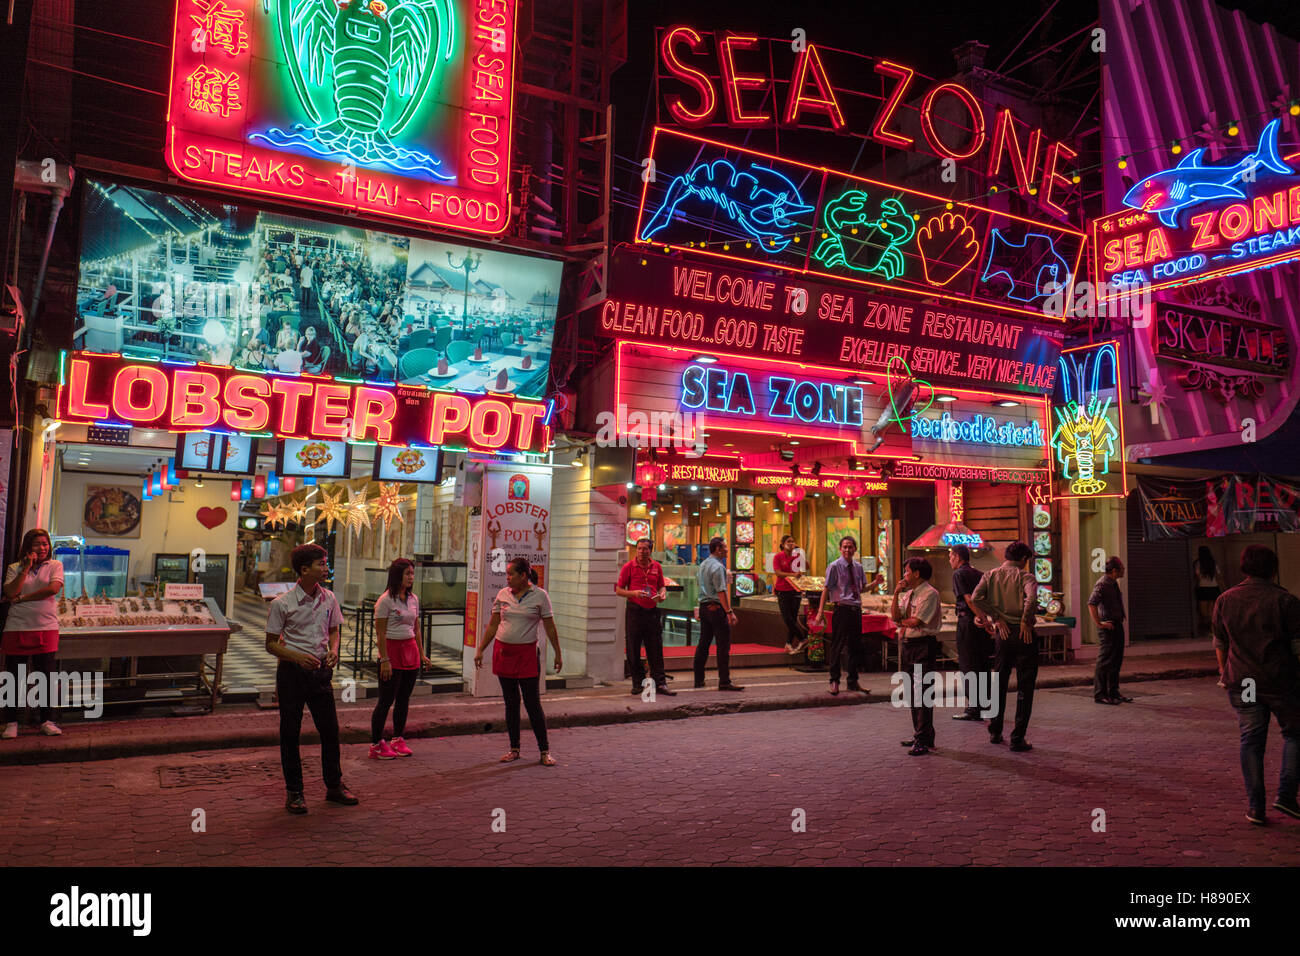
(1008, 597)
(1107, 609)
(973, 642)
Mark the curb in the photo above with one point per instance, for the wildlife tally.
(457, 725)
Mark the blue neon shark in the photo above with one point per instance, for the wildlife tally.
(1189, 183)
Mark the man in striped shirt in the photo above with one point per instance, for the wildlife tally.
(1007, 596)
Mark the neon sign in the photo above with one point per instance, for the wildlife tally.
(1241, 216)
(973, 540)
(1086, 435)
(698, 72)
(741, 205)
(981, 429)
(202, 397)
(400, 110)
(718, 389)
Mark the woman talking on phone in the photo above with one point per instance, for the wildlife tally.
(31, 634)
(518, 609)
(396, 614)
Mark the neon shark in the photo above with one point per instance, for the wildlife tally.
(1169, 192)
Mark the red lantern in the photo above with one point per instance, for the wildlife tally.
(851, 489)
(650, 477)
(791, 495)
(234, 490)
(259, 486)
(287, 484)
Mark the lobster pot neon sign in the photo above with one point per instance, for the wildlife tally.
(1088, 443)
(399, 109)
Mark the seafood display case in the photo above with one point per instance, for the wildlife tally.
(150, 649)
(94, 570)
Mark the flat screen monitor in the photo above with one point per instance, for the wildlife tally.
(308, 458)
(394, 463)
(215, 453)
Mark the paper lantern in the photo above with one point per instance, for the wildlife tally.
(850, 490)
(259, 486)
(650, 477)
(245, 490)
(791, 495)
(171, 478)
(309, 481)
(234, 490)
(146, 495)
(288, 483)
(272, 484)
(155, 483)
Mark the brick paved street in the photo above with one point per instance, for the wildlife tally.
(708, 790)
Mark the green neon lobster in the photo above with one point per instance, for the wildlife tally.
(362, 49)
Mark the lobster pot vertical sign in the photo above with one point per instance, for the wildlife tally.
(515, 523)
(398, 108)
(1087, 425)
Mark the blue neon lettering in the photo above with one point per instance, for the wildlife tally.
(740, 399)
(715, 388)
(780, 389)
(980, 429)
(692, 390)
(807, 401)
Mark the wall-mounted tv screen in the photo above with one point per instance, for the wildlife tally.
(407, 464)
(215, 452)
(306, 458)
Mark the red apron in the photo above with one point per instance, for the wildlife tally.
(515, 660)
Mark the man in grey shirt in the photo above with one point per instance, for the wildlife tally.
(716, 616)
(303, 630)
(1007, 596)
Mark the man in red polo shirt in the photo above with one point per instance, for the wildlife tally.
(642, 582)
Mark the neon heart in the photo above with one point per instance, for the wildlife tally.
(889, 389)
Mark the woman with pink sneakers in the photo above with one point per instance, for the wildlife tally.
(396, 614)
(31, 633)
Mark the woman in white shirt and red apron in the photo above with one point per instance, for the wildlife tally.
(397, 613)
(31, 634)
(516, 613)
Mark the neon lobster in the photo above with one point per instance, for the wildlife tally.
(1084, 436)
(761, 201)
(357, 45)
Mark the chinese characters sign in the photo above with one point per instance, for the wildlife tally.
(400, 110)
(1199, 221)
(736, 204)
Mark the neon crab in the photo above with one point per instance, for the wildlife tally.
(853, 232)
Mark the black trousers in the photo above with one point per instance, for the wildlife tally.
(396, 693)
(788, 602)
(974, 647)
(1014, 654)
(714, 624)
(1110, 655)
(643, 626)
(34, 664)
(295, 687)
(513, 688)
(925, 652)
(846, 641)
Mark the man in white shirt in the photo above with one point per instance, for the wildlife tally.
(303, 630)
(917, 611)
(305, 277)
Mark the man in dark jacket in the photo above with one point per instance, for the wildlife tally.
(1107, 609)
(1256, 630)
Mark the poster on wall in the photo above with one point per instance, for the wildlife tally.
(163, 277)
(837, 528)
(112, 511)
(1218, 506)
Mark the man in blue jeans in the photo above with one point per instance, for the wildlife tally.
(716, 616)
(1256, 627)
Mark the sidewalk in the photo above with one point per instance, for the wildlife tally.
(443, 715)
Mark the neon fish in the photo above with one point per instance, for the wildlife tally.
(1188, 184)
(1032, 266)
(761, 201)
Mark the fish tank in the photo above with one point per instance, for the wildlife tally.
(94, 571)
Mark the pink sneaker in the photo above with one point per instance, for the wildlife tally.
(398, 746)
(381, 751)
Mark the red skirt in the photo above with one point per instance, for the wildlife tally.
(30, 642)
(515, 660)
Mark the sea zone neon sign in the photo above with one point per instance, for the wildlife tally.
(1197, 222)
(402, 110)
(720, 390)
(183, 398)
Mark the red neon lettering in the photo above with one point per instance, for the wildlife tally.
(691, 77)
(449, 416)
(1052, 175)
(1114, 258)
(1203, 222)
(1023, 165)
(194, 399)
(78, 405)
(479, 434)
(978, 135)
(824, 102)
(1293, 199)
(734, 82)
(328, 417)
(375, 408)
(1270, 212)
(879, 132)
(1234, 222)
(527, 417)
(246, 407)
(292, 392)
(1157, 247)
(124, 405)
